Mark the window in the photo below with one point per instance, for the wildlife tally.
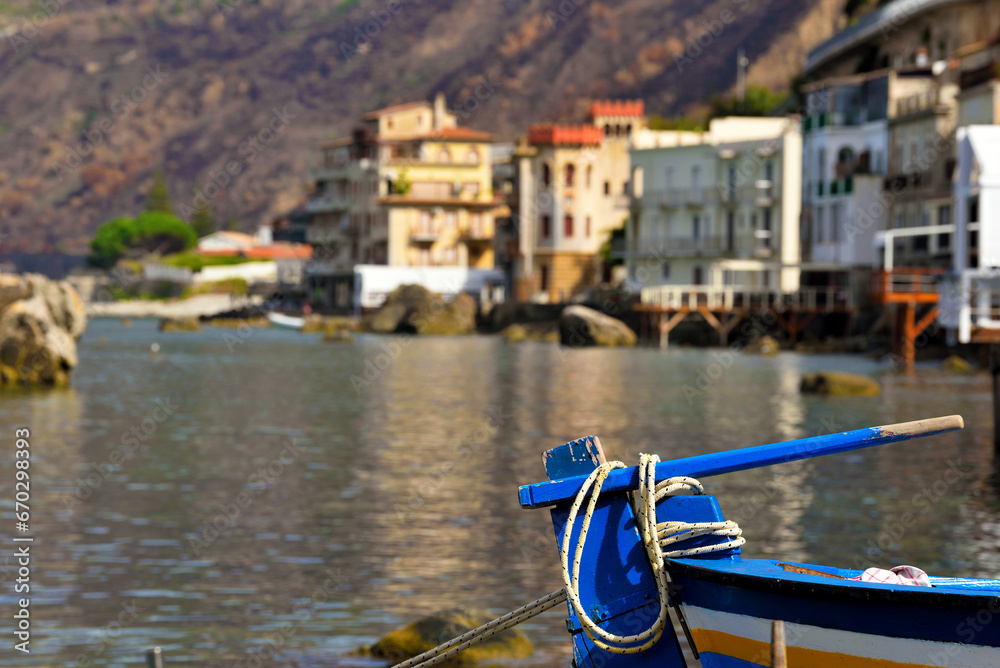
(546, 226)
(586, 228)
(471, 188)
(444, 156)
(570, 175)
(731, 183)
(821, 167)
(568, 225)
(835, 222)
(607, 130)
(665, 270)
(472, 157)
(820, 224)
(545, 278)
(730, 231)
(590, 173)
(696, 275)
(695, 226)
(607, 187)
(628, 130)
(546, 175)
(450, 255)
(426, 222)
(668, 179)
(451, 220)
(618, 130)
(696, 182)
(944, 218)
(424, 257)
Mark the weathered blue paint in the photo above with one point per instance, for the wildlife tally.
(716, 463)
(617, 587)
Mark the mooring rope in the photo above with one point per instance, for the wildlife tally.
(655, 537)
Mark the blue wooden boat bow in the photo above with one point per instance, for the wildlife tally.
(648, 559)
(723, 603)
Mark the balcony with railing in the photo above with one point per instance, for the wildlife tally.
(918, 285)
(727, 298)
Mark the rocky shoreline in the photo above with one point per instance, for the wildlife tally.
(40, 323)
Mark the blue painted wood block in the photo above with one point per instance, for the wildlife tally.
(617, 587)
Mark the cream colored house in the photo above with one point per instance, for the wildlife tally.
(408, 188)
(717, 208)
(572, 191)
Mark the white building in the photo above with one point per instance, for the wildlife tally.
(717, 208)
(845, 159)
(970, 296)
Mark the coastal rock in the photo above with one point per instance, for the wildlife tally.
(180, 325)
(40, 322)
(582, 326)
(839, 383)
(414, 309)
(328, 323)
(956, 364)
(448, 319)
(764, 345)
(540, 332)
(386, 320)
(338, 336)
(433, 630)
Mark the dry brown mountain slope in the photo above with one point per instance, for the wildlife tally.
(191, 86)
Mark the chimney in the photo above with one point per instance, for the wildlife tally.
(439, 111)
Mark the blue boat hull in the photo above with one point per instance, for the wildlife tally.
(728, 605)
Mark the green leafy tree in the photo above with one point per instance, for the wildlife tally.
(152, 232)
(759, 101)
(202, 219)
(159, 196)
(680, 123)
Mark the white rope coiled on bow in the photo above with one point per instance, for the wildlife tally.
(655, 537)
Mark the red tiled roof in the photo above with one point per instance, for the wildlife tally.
(559, 135)
(281, 250)
(396, 107)
(617, 108)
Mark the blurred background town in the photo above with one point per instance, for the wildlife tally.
(694, 226)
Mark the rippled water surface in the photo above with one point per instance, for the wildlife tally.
(344, 508)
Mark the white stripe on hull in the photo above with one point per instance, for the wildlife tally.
(845, 643)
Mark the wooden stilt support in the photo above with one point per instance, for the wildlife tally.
(727, 325)
(778, 659)
(911, 329)
(666, 325)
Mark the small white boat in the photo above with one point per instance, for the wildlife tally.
(286, 321)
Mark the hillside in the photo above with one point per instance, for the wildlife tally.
(190, 86)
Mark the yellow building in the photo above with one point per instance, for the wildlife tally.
(408, 188)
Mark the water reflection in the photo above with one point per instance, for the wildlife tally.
(281, 490)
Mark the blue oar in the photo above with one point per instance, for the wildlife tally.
(716, 463)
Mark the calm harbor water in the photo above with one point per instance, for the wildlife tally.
(344, 508)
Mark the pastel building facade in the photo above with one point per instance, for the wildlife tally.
(408, 188)
(572, 190)
(718, 208)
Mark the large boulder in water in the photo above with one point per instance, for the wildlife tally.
(415, 309)
(40, 321)
(839, 383)
(437, 629)
(582, 326)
